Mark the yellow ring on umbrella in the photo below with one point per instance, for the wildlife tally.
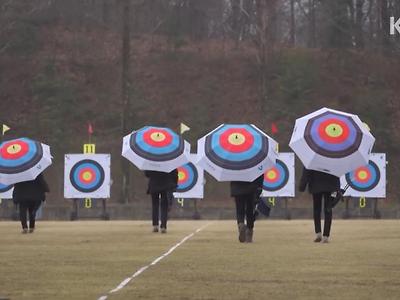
(236, 139)
(14, 148)
(158, 136)
(334, 130)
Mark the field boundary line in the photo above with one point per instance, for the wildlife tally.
(153, 263)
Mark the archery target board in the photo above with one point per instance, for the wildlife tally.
(279, 181)
(87, 176)
(190, 180)
(368, 181)
(6, 191)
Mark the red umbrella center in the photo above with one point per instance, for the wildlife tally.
(14, 150)
(236, 140)
(157, 137)
(333, 131)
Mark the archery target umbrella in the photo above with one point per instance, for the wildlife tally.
(22, 160)
(156, 149)
(236, 152)
(331, 141)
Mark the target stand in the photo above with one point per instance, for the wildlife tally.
(279, 183)
(87, 177)
(367, 184)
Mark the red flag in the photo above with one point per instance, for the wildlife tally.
(90, 129)
(274, 128)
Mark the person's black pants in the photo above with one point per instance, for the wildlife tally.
(28, 206)
(245, 208)
(160, 200)
(317, 198)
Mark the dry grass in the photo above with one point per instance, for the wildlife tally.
(84, 260)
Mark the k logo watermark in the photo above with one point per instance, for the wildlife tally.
(394, 26)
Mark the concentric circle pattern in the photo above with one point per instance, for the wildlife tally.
(333, 135)
(157, 143)
(87, 176)
(187, 177)
(19, 155)
(276, 177)
(5, 188)
(365, 178)
(236, 147)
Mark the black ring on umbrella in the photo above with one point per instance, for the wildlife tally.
(25, 166)
(236, 165)
(158, 157)
(332, 154)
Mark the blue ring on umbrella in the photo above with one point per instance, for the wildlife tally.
(368, 185)
(192, 179)
(5, 188)
(323, 148)
(34, 155)
(283, 173)
(82, 186)
(236, 161)
(146, 151)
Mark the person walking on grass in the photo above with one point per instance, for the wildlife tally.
(320, 185)
(29, 195)
(161, 187)
(246, 195)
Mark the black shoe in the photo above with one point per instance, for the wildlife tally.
(242, 232)
(249, 235)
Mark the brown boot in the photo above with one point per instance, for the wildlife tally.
(242, 232)
(249, 235)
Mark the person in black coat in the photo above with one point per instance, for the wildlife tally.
(29, 195)
(320, 185)
(246, 194)
(161, 187)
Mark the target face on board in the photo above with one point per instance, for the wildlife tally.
(187, 177)
(276, 177)
(157, 143)
(190, 180)
(6, 191)
(236, 147)
(279, 180)
(87, 175)
(333, 135)
(19, 155)
(368, 180)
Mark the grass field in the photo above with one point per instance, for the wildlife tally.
(85, 260)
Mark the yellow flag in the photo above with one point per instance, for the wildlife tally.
(184, 128)
(5, 128)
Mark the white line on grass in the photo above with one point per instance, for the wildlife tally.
(154, 262)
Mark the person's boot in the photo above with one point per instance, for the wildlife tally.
(249, 235)
(31, 230)
(155, 228)
(24, 230)
(163, 230)
(242, 232)
(318, 237)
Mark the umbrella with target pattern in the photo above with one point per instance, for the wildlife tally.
(331, 141)
(156, 149)
(236, 152)
(22, 159)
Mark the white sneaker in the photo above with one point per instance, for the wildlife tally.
(325, 239)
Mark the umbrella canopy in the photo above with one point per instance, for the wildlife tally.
(156, 149)
(236, 152)
(22, 160)
(331, 141)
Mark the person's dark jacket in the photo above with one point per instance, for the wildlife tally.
(318, 182)
(34, 190)
(239, 188)
(162, 182)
